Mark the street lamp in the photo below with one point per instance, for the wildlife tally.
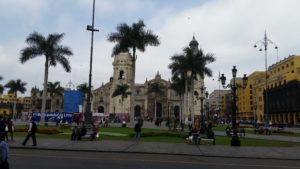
(202, 97)
(235, 139)
(264, 44)
(207, 110)
(88, 113)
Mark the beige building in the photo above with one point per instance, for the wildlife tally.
(168, 105)
(217, 104)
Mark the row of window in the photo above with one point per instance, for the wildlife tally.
(282, 68)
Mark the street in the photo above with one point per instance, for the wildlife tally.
(42, 159)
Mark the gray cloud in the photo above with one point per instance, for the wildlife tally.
(227, 28)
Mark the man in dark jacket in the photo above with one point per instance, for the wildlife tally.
(32, 129)
(138, 129)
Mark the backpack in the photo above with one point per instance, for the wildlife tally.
(34, 127)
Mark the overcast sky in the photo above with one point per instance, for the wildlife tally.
(227, 28)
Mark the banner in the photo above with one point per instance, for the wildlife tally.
(53, 116)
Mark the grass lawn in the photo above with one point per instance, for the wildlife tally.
(153, 135)
(251, 130)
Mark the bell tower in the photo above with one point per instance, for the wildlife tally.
(198, 84)
(122, 74)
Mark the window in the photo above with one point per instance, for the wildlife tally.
(293, 71)
(121, 75)
(282, 68)
(292, 63)
(287, 65)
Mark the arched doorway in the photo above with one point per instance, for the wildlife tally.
(158, 110)
(100, 109)
(137, 111)
(176, 112)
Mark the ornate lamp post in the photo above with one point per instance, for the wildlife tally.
(201, 98)
(235, 141)
(207, 110)
(264, 46)
(88, 113)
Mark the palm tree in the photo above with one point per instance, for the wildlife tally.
(193, 61)
(54, 53)
(1, 87)
(157, 89)
(178, 85)
(133, 37)
(84, 88)
(55, 90)
(121, 90)
(15, 87)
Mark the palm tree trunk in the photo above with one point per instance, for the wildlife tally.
(131, 113)
(44, 97)
(186, 100)
(15, 103)
(51, 105)
(192, 101)
(155, 109)
(181, 109)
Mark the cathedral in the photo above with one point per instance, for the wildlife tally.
(169, 105)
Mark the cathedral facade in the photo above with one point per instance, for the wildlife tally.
(169, 105)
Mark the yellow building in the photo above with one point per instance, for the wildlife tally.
(7, 104)
(254, 97)
(283, 93)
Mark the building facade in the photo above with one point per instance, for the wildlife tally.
(7, 104)
(216, 102)
(282, 94)
(168, 105)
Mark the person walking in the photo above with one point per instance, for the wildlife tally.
(3, 152)
(32, 129)
(138, 129)
(5, 129)
(11, 128)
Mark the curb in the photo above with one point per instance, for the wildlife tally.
(160, 153)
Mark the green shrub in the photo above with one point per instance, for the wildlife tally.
(40, 131)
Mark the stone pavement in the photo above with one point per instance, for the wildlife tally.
(160, 148)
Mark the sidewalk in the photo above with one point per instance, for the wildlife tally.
(160, 148)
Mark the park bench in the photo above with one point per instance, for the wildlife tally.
(88, 136)
(200, 140)
(207, 140)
